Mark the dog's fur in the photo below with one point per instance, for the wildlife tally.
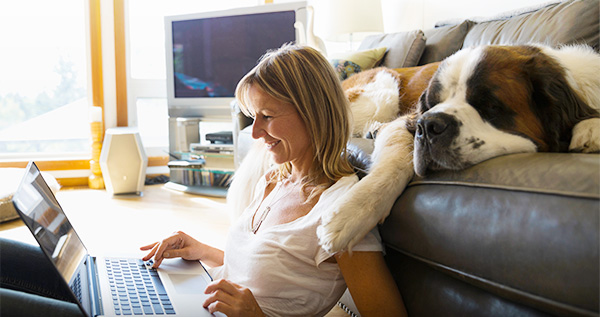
(381, 95)
(480, 103)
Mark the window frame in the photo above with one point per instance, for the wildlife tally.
(107, 84)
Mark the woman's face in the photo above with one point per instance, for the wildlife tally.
(281, 128)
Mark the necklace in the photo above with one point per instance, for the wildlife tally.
(264, 214)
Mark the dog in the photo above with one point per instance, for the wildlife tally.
(480, 103)
(477, 104)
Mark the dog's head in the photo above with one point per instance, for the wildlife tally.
(494, 100)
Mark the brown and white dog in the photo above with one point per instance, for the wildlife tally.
(480, 103)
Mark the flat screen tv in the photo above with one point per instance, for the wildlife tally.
(208, 53)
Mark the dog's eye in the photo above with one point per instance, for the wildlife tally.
(431, 96)
(493, 110)
(423, 104)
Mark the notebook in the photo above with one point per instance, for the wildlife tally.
(107, 286)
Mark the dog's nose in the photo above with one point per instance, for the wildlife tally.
(434, 126)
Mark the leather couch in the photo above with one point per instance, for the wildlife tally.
(516, 235)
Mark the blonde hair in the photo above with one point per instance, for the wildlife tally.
(301, 76)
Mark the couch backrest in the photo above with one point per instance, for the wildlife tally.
(570, 22)
(567, 22)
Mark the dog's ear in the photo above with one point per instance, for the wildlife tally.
(555, 102)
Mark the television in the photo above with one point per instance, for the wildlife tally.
(208, 53)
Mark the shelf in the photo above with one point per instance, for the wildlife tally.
(199, 190)
(202, 168)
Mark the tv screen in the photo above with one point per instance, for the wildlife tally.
(210, 55)
(207, 53)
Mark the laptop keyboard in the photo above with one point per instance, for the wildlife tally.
(136, 289)
(76, 287)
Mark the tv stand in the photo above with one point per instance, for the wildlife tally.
(197, 165)
(198, 190)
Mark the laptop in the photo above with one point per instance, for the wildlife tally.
(107, 286)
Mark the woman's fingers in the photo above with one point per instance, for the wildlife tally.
(222, 284)
(167, 248)
(231, 299)
(178, 245)
(220, 296)
(152, 248)
(148, 247)
(217, 303)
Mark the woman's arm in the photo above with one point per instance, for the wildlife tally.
(181, 245)
(371, 284)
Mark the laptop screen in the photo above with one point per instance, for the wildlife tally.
(45, 218)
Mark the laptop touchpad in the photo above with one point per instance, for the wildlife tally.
(188, 283)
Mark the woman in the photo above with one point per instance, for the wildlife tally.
(273, 264)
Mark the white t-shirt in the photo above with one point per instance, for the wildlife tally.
(283, 265)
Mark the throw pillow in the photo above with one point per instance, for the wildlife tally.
(348, 64)
(404, 48)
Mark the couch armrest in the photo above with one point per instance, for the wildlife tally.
(523, 227)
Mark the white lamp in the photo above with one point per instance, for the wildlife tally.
(347, 18)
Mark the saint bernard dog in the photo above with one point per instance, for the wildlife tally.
(479, 103)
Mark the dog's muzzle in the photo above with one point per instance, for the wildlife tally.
(433, 139)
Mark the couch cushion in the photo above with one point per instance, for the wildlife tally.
(444, 41)
(404, 49)
(570, 22)
(523, 226)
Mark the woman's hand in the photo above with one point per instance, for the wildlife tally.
(231, 299)
(178, 245)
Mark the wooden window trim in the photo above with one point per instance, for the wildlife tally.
(120, 63)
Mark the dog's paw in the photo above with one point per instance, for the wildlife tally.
(586, 136)
(347, 223)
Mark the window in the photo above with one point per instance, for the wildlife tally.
(43, 82)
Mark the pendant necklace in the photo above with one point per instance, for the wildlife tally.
(256, 226)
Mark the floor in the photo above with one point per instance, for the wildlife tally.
(118, 226)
